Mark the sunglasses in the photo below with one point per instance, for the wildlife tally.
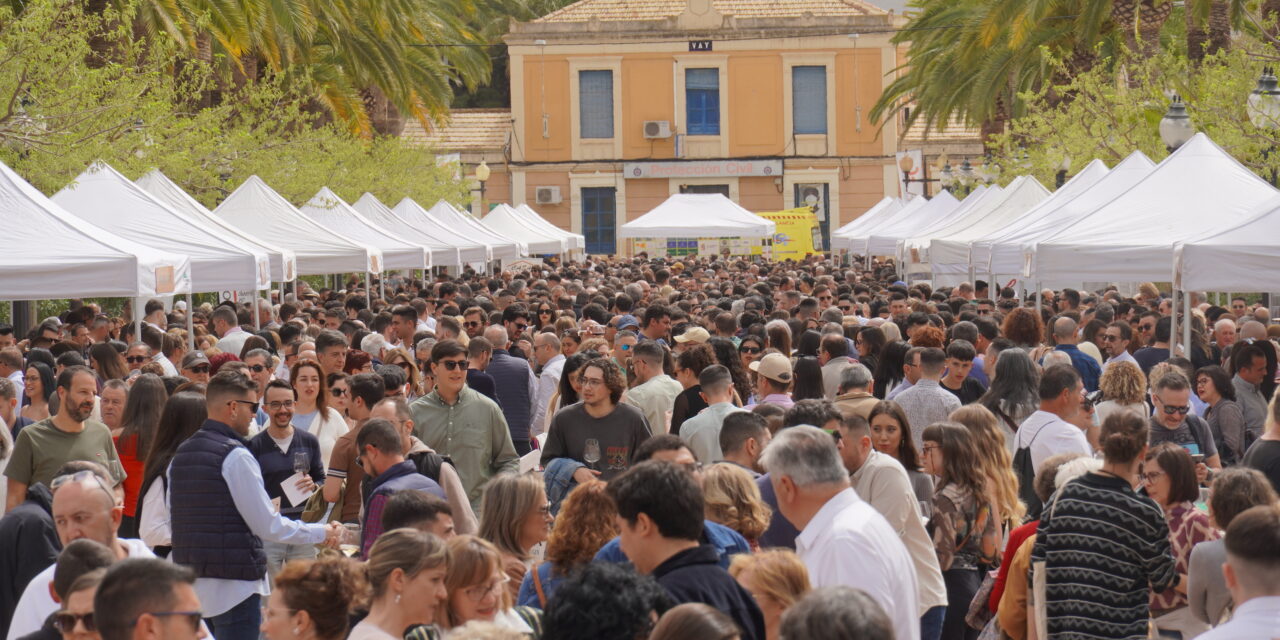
(750, 350)
(136, 359)
(453, 365)
(193, 617)
(257, 368)
(470, 324)
(253, 405)
(200, 368)
(1170, 410)
(65, 621)
(337, 392)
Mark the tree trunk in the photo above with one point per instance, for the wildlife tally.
(1152, 14)
(384, 116)
(1219, 26)
(1271, 17)
(1197, 35)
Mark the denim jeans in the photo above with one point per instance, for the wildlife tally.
(931, 623)
(962, 584)
(241, 622)
(279, 554)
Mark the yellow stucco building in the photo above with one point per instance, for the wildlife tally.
(617, 104)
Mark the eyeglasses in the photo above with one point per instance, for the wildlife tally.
(276, 406)
(1170, 410)
(253, 406)
(404, 365)
(136, 359)
(257, 368)
(591, 382)
(1110, 338)
(545, 509)
(749, 350)
(1151, 476)
(193, 617)
(66, 621)
(479, 593)
(453, 365)
(930, 447)
(337, 392)
(1146, 327)
(200, 368)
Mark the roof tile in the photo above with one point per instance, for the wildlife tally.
(467, 130)
(619, 10)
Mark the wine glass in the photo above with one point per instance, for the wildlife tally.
(350, 544)
(591, 452)
(301, 462)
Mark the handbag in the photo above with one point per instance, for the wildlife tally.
(980, 613)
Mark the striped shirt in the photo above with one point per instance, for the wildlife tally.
(1105, 549)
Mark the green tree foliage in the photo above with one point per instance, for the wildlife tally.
(62, 105)
(1113, 114)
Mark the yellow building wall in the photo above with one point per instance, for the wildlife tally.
(759, 194)
(858, 77)
(647, 94)
(755, 104)
(644, 195)
(546, 82)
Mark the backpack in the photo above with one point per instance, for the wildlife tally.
(1025, 469)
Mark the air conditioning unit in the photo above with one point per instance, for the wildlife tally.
(547, 195)
(655, 129)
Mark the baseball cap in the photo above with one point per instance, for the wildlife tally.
(774, 366)
(627, 320)
(194, 358)
(696, 334)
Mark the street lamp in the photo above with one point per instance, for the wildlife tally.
(989, 172)
(965, 177)
(947, 176)
(482, 176)
(1175, 126)
(1264, 111)
(1064, 166)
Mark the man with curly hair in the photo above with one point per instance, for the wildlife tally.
(598, 432)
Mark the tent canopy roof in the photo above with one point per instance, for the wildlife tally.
(469, 249)
(328, 210)
(576, 240)
(698, 215)
(883, 239)
(375, 212)
(1242, 258)
(284, 265)
(259, 211)
(507, 221)
(85, 260)
(503, 247)
(103, 197)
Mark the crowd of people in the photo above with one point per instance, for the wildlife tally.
(629, 449)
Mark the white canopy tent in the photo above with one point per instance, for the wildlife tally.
(50, 253)
(1007, 252)
(101, 196)
(283, 264)
(576, 240)
(1194, 193)
(698, 215)
(884, 238)
(975, 206)
(948, 248)
(326, 209)
(1243, 258)
(504, 247)
(507, 221)
(470, 250)
(442, 253)
(261, 212)
(880, 211)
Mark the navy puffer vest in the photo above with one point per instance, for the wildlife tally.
(209, 535)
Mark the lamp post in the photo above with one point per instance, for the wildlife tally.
(965, 177)
(482, 176)
(907, 164)
(947, 177)
(1064, 165)
(1264, 111)
(1175, 126)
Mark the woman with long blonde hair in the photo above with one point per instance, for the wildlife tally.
(477, 590)
(997, 464)
(732, 499)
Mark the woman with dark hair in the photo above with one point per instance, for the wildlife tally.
(807, 379)
(339, 386)
(1084, 578)
(543, 316)
(809, 343)
(312, 412)
(251, 343)
(749, 350)
(1014, 393)
(1224, 415)
(1169, 477)
(142, 411)
(586, 522)
(272, 339)
(888, 372)
(964, 522)
(1024, 327)
(891, 435)
(689, 364)
(357, 362)
(108, 362)
(727, 354)
(184, 413)
(41, 392)
(869, 342)
(570, 340)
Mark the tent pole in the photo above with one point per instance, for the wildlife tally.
(257, 322)
(1039, 299)
(191, 330)
(382, 287)
(137, 320)
(1186, 323)
(368, 290)
(1173, 323)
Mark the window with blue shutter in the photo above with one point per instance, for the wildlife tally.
(595, 98)
(809, 99)
(599, 211)
(702, 101)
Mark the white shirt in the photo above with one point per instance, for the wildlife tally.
(1059, 436)
(1255, 619)
(233, 341)
(36, 604)
(19, 380)
(883, 482)
(1124, 356)
(154, 525)
(702, 432)
(548, 382)
(165, 363)
(849, 543)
